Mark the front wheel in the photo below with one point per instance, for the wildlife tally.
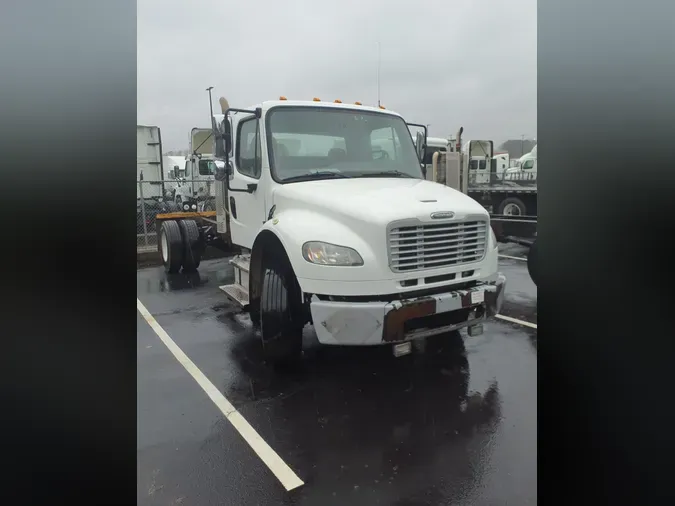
(532, 263)
(280, 326)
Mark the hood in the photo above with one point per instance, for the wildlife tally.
(379, 200)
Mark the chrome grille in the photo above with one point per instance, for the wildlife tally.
(417, 247)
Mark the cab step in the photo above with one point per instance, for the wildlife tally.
(237, 292)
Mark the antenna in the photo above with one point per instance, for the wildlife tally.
(378, 74)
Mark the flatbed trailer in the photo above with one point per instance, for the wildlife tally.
(518, 197)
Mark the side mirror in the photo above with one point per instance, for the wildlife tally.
(420, 145)
(224, 172)
(223, 139)
(227, 135)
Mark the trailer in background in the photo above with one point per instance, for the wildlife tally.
(507, 197)
(150, 188)
(149, 163)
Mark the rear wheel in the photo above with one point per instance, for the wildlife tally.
(192, 245)
(532, 263)
(171, 246)
(512, 206)
(281, 323)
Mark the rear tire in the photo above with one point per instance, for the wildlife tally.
(532, 263)
(192, 245)
(512, 206)
(170, 245)
(280, 315)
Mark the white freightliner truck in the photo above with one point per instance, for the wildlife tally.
(340, 230)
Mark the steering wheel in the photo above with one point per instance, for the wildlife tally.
(383, 154)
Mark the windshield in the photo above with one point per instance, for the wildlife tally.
(319, 142)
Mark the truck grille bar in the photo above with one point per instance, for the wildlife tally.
(431, 246)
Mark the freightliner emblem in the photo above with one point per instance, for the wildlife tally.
(442, 215)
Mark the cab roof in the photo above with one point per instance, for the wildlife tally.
(268, 104)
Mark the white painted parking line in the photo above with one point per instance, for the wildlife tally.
(513, 258)
(279, 468)
(515, 320)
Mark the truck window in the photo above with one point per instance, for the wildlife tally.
(206, 168)
(247, 139)
(528, 164)
(321, 141)
(385, 139)
(482, 165)
(473, 165)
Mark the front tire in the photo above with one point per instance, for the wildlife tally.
(170, 246)
(280, 315)
(532, 263)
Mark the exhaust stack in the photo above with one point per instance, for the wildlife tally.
(224, 104)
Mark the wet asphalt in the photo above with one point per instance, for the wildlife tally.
(453, 425)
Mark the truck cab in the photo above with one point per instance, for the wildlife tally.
(525, 168)
(339, 228)
(480, 160)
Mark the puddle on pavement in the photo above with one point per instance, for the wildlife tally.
(159, 281)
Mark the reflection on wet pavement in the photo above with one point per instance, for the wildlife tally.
(455, 424)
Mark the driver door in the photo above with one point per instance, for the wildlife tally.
(247, 210)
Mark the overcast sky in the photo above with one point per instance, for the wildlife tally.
(445, 63)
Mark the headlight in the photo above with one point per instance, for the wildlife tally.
(323, 253)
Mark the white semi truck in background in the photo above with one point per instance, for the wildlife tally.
(524, 169)
(337, 227)
(194, 187)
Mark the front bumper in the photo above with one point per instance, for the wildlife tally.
(374, 323)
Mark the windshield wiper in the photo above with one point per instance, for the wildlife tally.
(386, 173)
(321, 174)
